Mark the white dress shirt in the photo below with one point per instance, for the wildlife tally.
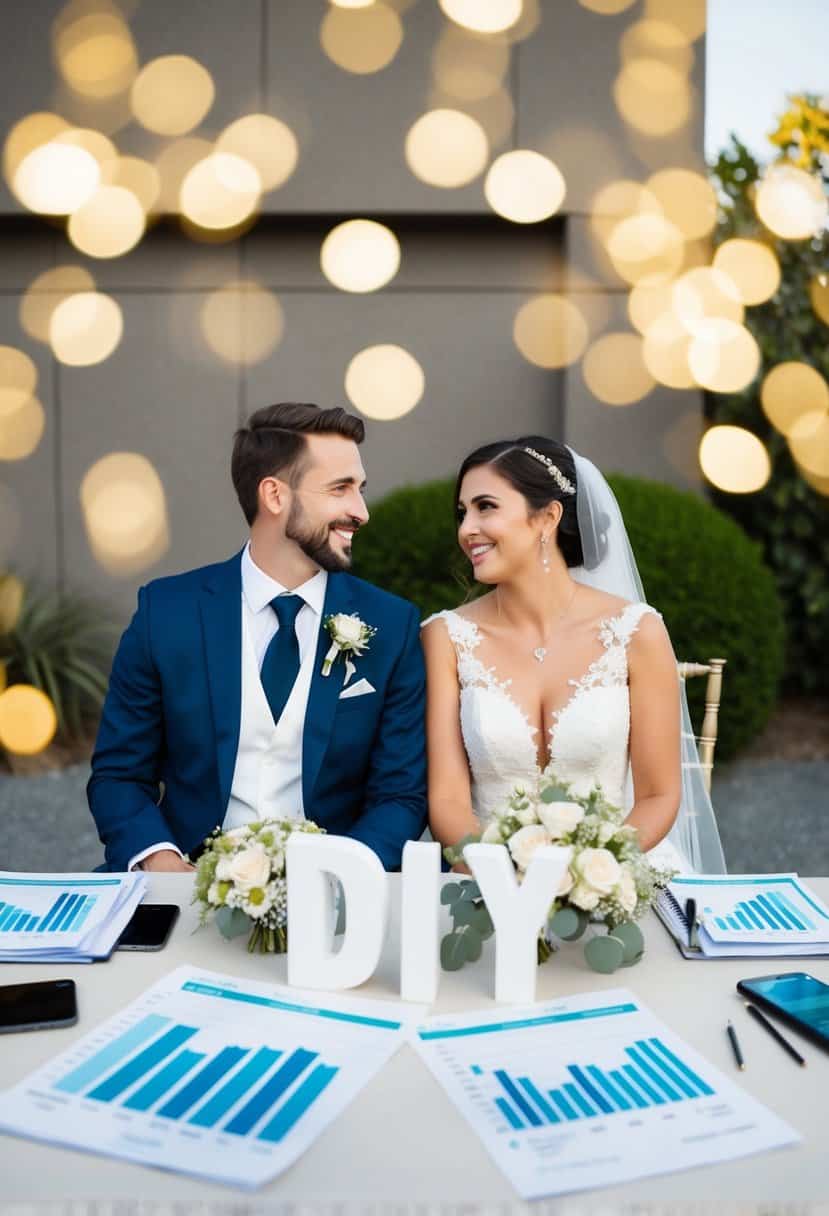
(259, 625)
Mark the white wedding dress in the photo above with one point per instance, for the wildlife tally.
(588, 737)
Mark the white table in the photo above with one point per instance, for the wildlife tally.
(402, 1141)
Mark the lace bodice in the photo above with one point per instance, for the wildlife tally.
(587, 737)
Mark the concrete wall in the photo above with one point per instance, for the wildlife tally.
(163, 393)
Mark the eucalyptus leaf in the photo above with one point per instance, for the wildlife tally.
(463, 913)
(450, 892)
(569, 923)
(604, 954)
(470, 889)
(232, 922)
(453, 951)
(555, 793)
(473, 945)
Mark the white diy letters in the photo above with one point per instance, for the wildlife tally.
(312, 961)
(517, 911)
(420, 922)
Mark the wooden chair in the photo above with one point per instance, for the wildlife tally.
(707, 738)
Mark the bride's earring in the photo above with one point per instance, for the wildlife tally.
(545, 558)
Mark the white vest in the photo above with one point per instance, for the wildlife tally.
(267, 779)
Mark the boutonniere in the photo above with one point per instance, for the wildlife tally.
(349, 636)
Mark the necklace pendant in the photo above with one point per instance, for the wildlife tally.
(539, 654)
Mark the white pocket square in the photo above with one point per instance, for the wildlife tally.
(357, 690)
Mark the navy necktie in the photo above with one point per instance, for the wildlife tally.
(280, 666)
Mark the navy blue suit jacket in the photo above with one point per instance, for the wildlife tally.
(171, 721)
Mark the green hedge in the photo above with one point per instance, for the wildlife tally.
(698, 568)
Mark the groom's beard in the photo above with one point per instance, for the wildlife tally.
(315, 543)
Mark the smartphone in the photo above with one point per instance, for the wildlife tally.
(149, 927)
(797, 998)
(37, 1006)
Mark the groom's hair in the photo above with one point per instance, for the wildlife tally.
(273, 444)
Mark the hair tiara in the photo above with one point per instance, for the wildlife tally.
(564, 484)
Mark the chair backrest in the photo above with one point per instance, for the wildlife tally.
(707, 738)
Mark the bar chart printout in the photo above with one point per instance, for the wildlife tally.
(589, 1091)
(65, 917)
(762, 909)
(209, 1075)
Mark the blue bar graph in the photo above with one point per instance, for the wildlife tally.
(49, 918)
(300, 1100)
(593, 1094)
(136, 1068)
(68, 912)
(771, 910)
(780, 899)
(641, 1084)
(274, 1088)
(163, 1081)
(114, 1052)
(650, 1076)
(623, 1083)
(230, 1093)
(612, 1092)
(540, 1101)
(563, 1105)
(578, 1097)
(204, 1080)
(505, 1109)
(518, 1098)
(152, 1068)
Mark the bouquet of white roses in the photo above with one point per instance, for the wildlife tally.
(240, 877)
(609, 880)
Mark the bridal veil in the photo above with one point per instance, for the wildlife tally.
(609, 565)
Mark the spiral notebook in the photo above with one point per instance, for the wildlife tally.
(745, 916)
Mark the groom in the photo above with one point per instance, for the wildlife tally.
(218, 710)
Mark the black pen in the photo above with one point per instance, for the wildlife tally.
(691, 920)
(775, 1034)
(735, 1045)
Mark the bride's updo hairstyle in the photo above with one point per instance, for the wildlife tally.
(531, 475)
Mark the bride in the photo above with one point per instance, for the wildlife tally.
(562, 666)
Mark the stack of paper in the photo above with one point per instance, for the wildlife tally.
(746, 915)
(65, 918)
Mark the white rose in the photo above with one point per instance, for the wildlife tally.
(527, 816)
(492, 835)
(250, 868)
(599, 869)
(525, 842)
(606, 832)
(584, 897)
(566, 884)
(626, 890)
(347, 629)
(223, 869)
(560, 818)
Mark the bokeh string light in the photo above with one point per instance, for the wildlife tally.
(446, 148)
(524, 186)
(734, 460)
(28, 721)
(125, 513)
(360, 256)
(384, 382)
